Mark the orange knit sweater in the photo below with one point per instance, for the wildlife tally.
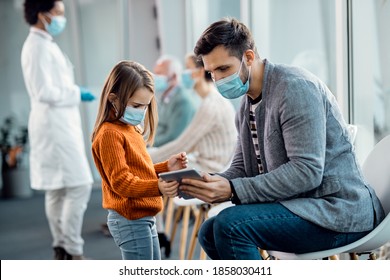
(129, 177)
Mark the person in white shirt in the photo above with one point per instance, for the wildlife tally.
(58, 162)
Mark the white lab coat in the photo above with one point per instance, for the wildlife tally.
(57, 152)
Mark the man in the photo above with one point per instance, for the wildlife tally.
(176, 106)
(58, 163)
(294, 177)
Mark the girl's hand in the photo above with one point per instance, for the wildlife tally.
(177, 162)
(169, 189)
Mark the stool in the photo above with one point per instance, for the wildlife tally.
(183, 211)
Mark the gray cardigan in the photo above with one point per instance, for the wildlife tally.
(309, 160)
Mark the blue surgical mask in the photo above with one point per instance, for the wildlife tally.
(187, 80)
(160, 84)
(133, 116)
(232, 87)
(56, 26)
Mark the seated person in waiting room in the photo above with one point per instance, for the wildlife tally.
(176, 107)
(294, 177)
(210, 138)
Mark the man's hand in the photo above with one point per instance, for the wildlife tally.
(213, 189)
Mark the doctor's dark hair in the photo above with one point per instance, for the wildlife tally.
(228, 32)
(33, 7)
(124, 79)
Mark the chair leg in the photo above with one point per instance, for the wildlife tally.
(200, 217)
(264, 254)
(169, 215)
(353, 256)
(203, 255)
(178, 215)
(372, 256)
(184, 232)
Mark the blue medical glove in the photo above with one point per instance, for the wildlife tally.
(86, 95)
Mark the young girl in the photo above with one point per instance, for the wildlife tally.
(131, 189)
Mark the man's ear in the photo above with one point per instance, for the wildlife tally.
(249, 57)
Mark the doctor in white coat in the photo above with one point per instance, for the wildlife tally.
(58, 162)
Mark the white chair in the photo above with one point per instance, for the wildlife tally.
(183, 209)
(215, 209)
(376, 170)
(352, 131)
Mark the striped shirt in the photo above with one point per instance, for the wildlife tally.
(253, 105)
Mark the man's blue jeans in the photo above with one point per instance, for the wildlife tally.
(137, 239)
(237, 233)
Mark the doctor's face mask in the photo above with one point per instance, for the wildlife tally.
(56, 26)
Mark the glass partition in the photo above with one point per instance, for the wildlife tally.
(305, 33)
(371, 72)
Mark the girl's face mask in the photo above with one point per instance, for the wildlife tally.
(132, 116)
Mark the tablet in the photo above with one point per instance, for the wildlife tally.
(177, 175)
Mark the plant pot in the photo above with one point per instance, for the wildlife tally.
(16, 183)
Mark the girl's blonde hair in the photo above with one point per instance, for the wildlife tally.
(125, 78)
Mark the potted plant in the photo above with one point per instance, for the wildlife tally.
(14, 159)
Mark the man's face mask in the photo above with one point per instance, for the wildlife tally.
(231, 86)
(160, 84)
